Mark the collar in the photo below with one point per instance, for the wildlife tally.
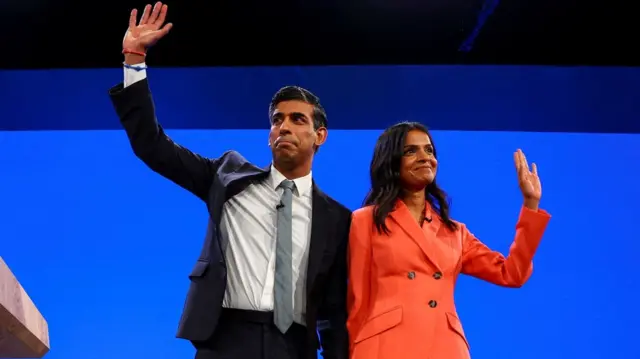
(303, 184)
(429, 211)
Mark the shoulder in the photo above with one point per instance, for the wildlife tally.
(362, 225)
(363, 215)
(232, 161)
(460, 226)
(363, 212)
(341, 209)
(458, 223)
(232, 156)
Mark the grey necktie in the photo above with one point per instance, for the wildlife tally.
(283, 289)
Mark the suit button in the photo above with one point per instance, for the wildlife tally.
(433, 303)
(437, 275)
(411, 275)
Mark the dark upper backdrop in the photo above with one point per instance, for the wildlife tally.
(65, 33)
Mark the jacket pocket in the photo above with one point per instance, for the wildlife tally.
(199, 269)
(456, 326)
(380, 323)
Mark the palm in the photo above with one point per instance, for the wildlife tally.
(528, 180)
(142, 35)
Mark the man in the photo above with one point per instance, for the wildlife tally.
(274, 259)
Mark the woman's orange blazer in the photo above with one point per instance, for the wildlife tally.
(401, 285)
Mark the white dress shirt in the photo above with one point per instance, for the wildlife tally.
(248, 233)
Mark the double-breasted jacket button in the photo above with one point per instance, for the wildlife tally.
(411, 275)
(437, 275)
(433, 303)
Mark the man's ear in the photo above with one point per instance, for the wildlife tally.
(321, 136)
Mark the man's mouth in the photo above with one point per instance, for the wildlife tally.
(284, 142)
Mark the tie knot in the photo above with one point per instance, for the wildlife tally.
(287, 184)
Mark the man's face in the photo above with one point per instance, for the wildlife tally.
(292, 137)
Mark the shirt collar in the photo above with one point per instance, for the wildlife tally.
(303, 184)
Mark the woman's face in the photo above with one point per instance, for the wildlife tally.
(419, 165)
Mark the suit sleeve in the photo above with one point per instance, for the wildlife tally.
(359, 285)
(513, 271)
(134, 105)
(334, 338)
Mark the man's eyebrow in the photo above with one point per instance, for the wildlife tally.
(295, 113)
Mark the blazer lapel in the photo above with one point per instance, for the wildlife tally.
(239, 180)
(231, 184)
(223, 188)
(426, 237)
(322, 231)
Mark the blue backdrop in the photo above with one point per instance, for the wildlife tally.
(103, 245)
(492, 98)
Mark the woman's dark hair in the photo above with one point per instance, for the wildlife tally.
(385, 177)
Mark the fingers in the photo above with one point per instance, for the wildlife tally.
(132, 18)
(155, 16)
(152, 37)
(163, 15)
(520, 161)
(153, 19)
(145, 15)
(525, 164)
(165, 29)
(522, 166)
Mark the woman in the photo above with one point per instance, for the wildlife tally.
(406, 252)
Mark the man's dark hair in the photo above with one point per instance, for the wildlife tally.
(296, 93)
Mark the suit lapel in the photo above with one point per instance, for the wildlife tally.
(322, 230)
(232, 184)
(426, 237)
(322, 216)
(225, 187)
(239, 180)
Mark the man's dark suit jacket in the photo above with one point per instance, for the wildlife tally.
(215, 181)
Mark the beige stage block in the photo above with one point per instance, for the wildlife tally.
(23, 331)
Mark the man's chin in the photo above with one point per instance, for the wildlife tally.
(284, 155)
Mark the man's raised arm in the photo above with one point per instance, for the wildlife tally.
(133, 103)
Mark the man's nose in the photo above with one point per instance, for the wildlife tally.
(285, 125)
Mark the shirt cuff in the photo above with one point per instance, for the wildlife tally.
(134, 73)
